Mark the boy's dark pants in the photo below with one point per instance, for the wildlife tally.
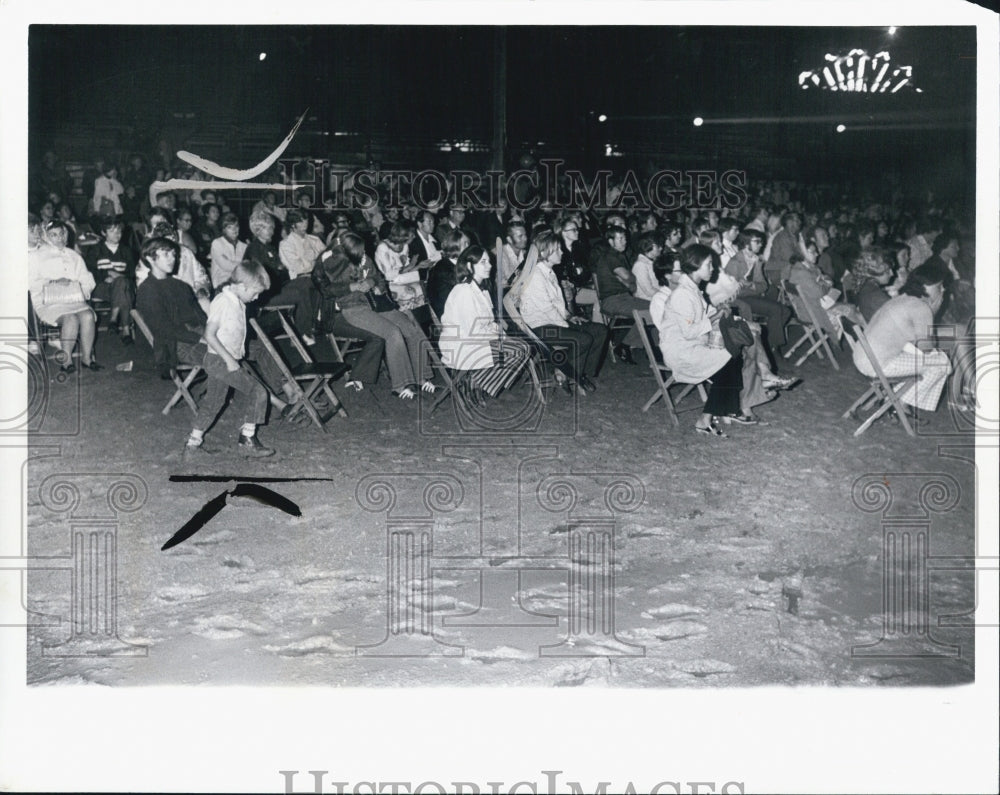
(249, 392)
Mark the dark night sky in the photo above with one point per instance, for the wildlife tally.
(420, 84)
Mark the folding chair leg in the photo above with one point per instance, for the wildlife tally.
(334, 400)
(875, 415)
(829, 351)
(183, 391)
(536, 382)
(860, 402)
(652, 401)
(803, 339)
(814, 349)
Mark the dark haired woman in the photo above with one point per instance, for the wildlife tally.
(470, 336)
(690, 348)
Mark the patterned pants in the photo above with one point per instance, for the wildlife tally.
(931, 369)
(509, 358)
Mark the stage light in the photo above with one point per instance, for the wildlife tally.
(858, 72)
(262, 56)
(602, 118)
(698, 121)
(892, 30)
(841, 128)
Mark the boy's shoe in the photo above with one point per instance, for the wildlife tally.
(251, 447)
(195, 452)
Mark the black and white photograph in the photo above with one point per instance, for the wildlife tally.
(621, 380)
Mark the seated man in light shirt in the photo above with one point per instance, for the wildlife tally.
(645, 279)
(513, 252)
(543, 308)
(298, 253)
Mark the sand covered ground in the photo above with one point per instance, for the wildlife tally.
(587, 544)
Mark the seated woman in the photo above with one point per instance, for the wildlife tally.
(871, 274)
(747, 267)
(760, 384)
(112, 264)
(543, 308)
(60, 286)
(816, 289)
(349, 277)
(899, 336)
(107, 198)
(686, 333)
(470, 336)
(400, 271)
(65, 214)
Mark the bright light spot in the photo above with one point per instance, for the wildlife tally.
(262, 56)
(602, 118)
(841, 128)
(698, 121)
(892, 30)
(608, 150)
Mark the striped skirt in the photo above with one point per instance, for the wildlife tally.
(509, 358)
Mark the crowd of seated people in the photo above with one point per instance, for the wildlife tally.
(396, 278)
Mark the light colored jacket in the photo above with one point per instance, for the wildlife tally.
(467, 329)
(684, 334)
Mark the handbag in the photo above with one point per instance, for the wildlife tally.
(107, 207)
(736, 334)
(380, 302)
(63, 293)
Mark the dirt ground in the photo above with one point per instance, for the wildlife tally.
(592, 545)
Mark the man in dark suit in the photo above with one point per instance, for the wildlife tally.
(454, 220)
(493, 224)
(423, 246)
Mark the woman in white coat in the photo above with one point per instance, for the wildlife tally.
(688, 347)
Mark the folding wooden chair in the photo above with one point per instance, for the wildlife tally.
(313, 378)
(881, 392)
(641, 317)
(345, 346)
(40, 334)
(813, 333)
(613, 322)
(183, 375)
(451, 384)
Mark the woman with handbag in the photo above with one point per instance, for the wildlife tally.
(692, 345)
(60, 286)
(742, 336)
(361, 292)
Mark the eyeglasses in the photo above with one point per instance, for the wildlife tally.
(570, 229)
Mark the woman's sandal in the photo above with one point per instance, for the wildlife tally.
(711, 430)
(357, 386)
(406, 393)
(429, 387)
